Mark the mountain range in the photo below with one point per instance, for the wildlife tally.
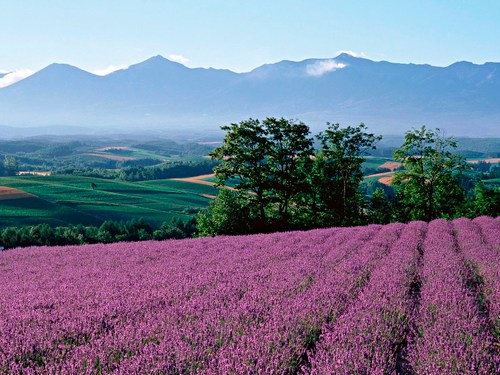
(390, 98)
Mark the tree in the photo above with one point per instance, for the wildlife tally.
(339, 172)
(227, 214)
(11, 165)
(289, 145)
(486, 201)
(265, 157)
(428, 187)
(243, 155)
(380, 209)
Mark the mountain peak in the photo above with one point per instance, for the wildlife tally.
(156, 62)
(61, 68)
(157, 58)
(349, 57)
(462, 63)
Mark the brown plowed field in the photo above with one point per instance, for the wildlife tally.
(392, 165)
(199, 180)
(386, 180)
(492, 160)
(7, 193)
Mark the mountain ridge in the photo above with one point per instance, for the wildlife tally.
(388, 97)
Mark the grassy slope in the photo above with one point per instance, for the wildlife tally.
(32, 211)
(71, 200)
(375, 162)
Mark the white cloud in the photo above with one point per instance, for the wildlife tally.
(352, 53)
(178, 58)
(109, 69)
(13, 77)
(321, 67)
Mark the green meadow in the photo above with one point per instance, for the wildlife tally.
(63, 200)
(374, 162)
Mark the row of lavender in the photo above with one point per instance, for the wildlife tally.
(398, 298)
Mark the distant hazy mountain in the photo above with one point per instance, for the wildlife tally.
(462, 98)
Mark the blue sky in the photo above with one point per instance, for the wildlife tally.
(101, 35)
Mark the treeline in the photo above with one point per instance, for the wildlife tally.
(285, 183)
(8, 166)
(176, 169)
(56, 154)
(108, 232)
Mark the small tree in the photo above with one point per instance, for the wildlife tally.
(11, 166)
(486, 201)
(380, 209)
(339, 170)
(227, 214)
(428, 187)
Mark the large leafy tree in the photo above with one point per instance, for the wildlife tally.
(282, 182)
(243, 155)
(339, 171)
(289, 145)
(428, 185)
(265, 157)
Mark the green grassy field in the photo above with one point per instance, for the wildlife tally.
(492, 181)
(63, 200)
(374, 162)
(131, 153)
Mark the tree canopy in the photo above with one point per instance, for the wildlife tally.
(291, 184)
(428, 186)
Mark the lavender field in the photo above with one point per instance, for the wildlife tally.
(402, 298)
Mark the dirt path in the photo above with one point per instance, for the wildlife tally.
(383, 174)
(7, 193)
(209, 196)
(199, 180)
(111, 157)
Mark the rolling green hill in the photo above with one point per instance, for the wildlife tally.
(63, 200)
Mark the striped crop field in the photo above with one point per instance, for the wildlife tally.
(60, 200)
(412, 298)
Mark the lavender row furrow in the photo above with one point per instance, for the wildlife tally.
(294, 323)
(366, 339)
(451, 336)
(490, 228)
(483, 259)
(268, 291)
